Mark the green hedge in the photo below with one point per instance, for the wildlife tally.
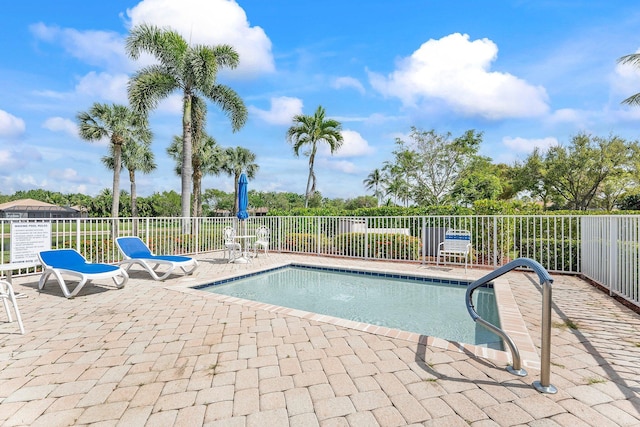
(551, 253)
(305, 242)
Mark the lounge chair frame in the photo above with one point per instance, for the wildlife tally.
(59, 262)
(135, 251)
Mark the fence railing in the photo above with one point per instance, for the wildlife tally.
(611, 254)
(604, 248)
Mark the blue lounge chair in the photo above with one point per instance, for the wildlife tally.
(57, 262)
(135, 251)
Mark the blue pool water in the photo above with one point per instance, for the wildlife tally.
(433, 307)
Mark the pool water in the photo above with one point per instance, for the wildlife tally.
(432, 307)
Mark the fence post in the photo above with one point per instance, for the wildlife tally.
(279, 228)
(197, 232)
(613, 253)
(423, 233)
(318, 237)
(77, 234)
(495, 241)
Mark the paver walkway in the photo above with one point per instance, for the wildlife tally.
(156, 354)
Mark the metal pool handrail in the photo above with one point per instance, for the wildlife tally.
(543, 385)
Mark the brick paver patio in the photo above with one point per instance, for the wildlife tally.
(162, 354)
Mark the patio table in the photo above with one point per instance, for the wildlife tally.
(244, 258)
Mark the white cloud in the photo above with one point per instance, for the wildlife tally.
(567, 115)
(59, 124)
(282, 111)
(11, 161)
(12, 183)
(70, 175)
(172, 104)
(348, 82)
(353, 145)
(525, 145)
(211, 22)
(7, 159)
(97, 48)
(626, 79)
(457, 71)
(104, 85)
(344, 166)
(10, 125)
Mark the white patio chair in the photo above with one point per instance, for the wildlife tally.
(7, 295)
(230, 244)
(262, 240)
(456, 244)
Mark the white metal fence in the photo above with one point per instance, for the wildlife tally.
(611, 254)
(561, 243)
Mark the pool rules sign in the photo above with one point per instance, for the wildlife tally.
(29, 238)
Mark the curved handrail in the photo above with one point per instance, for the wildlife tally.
(545, 281)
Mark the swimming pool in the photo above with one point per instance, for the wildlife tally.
(427, 306)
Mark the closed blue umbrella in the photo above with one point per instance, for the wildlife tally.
(243, 198)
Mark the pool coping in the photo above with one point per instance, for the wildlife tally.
(510, 316)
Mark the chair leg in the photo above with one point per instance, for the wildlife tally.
(6, 292)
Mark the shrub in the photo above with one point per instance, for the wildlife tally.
(378, 245)
(553, 254)
(305, 242)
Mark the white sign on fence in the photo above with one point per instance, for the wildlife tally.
(29, 238)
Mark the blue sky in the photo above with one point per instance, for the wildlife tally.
(525, 73)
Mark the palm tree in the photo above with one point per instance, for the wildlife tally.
(121, 126)
(189, 69)
(206, 156)
(239, 160)
(310, 130)
(208, 159)
(375, 180)
(135, 157)
(633, 59)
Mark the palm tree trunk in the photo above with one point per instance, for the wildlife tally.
(115, 204)
(134, 202)
(134, 196)
(197, 199)
(311, 181)
(187, 166)
(306, 193)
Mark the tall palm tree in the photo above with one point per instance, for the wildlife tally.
(375, 180)
(121, 126)
(190, 69)
(206, 156)
(309, 131)
(633, 59)
(208, 159)
(135, 157)
(239, 160)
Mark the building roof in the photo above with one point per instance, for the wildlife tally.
(26, 205)
(24, 202)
